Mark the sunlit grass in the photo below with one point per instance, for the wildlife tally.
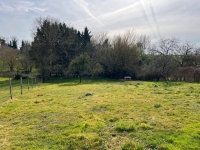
(3, 79)
(61, 115)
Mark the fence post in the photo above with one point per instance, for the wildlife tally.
(32, 82)
(28, 83)
(10, 89)
(21, 84)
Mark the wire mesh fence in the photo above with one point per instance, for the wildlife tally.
(10, 88)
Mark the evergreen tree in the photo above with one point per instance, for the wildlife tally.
(13, 43)
(22, 45)
(85, 39)
(55, 45)
(2, 41)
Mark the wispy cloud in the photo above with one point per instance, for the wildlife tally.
(84, 6)
(23, 6)
(154, 18)
(5, 7)
(30, 6)
(145, 12)
(118, 11)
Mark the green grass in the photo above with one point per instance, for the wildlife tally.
(117, 115)
(130, 145)
(15, 86)
(127, 126)
(3, 79)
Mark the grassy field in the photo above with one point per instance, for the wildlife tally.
(101, 114)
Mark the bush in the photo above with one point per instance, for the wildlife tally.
(18, 76)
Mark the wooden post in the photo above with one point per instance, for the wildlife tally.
(32, 82)
(21, 84)
(10, 89)
(28, 83)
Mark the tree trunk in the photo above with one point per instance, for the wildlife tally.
(11, 68)
(80, 79)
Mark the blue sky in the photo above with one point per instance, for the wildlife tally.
(154, 18)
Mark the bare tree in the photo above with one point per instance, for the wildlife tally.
(143, 43)
(9, 57)
(1, 57)
(185, 54)
(121, 56)
(164, 60)
(24, 57)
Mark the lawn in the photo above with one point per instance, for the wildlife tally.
(101, 114)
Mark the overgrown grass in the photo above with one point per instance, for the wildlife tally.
(127, 126)
(117, 115)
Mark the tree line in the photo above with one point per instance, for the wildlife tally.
(61, 50)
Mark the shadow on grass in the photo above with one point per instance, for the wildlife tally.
(4, 83)
(171, 83)
(14, 82)
(75, 81)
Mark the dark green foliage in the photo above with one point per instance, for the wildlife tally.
(18, 76)
(2, 41)
(13, 43)
(79, 66)
(85, 39)
(55, 45)
(22, 45)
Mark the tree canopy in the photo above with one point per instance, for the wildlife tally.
(61, 50)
